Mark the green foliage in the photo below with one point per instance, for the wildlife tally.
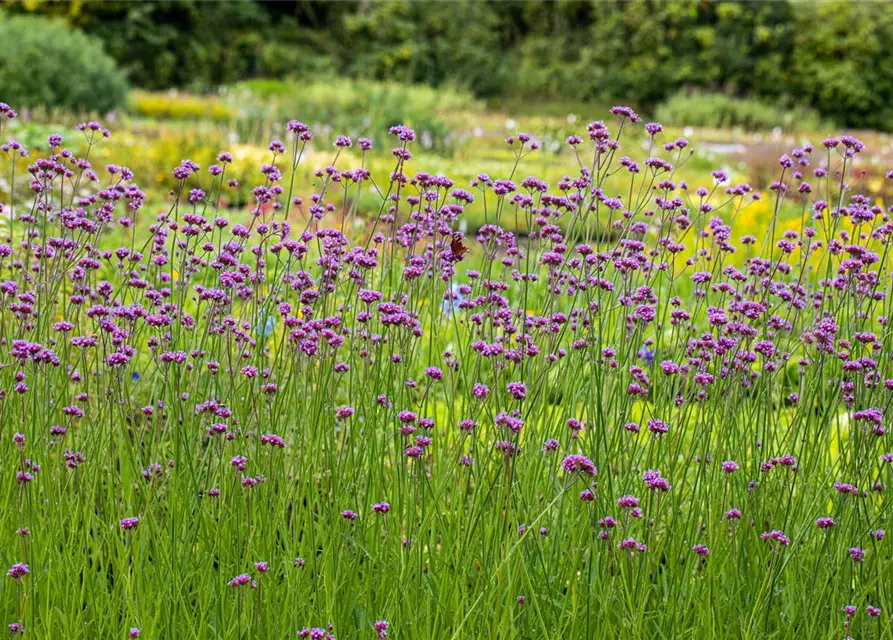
(344, 94)
(428, 42)
(831, 56)
(174, 106)
(45, 63)
(162, 44)
(843, 62)
(718, 110)
(355, 107)
(640, 51)
(639, 48)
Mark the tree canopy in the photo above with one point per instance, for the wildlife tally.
(829, 56)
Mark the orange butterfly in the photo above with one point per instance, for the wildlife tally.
(457, 247)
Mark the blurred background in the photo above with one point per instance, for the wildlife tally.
(745, 81)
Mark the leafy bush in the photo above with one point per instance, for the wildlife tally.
(285, 60)
(356, 107)
(176, 106)
(42, 62)
(341, 94)
(720, 110)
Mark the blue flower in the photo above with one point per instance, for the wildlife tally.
(135, 376)
(451, 303)
(268, 326)
(647, 355)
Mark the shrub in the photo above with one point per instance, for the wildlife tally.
(719, 110)
(355, 96)
(177, 106)
(358, 107)
(45, 63)
(285, 60)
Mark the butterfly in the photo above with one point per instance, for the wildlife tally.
(456, 247)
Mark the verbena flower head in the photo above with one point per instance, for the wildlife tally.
(579, 464)
(18, 571)
(776, 536)
(381, 507)
(239, 581)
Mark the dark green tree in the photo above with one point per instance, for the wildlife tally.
(429, 42)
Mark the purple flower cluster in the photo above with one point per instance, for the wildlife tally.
(254, 371)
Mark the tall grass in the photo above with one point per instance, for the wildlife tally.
(306, 425)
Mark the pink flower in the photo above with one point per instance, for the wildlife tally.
(129, 523)
(701, 550)
(239, 581)
(18, 570)
(776, 535)
(579, 464)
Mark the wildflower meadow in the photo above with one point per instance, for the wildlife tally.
(603, 410)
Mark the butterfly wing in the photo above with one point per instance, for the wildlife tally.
(457, 247)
